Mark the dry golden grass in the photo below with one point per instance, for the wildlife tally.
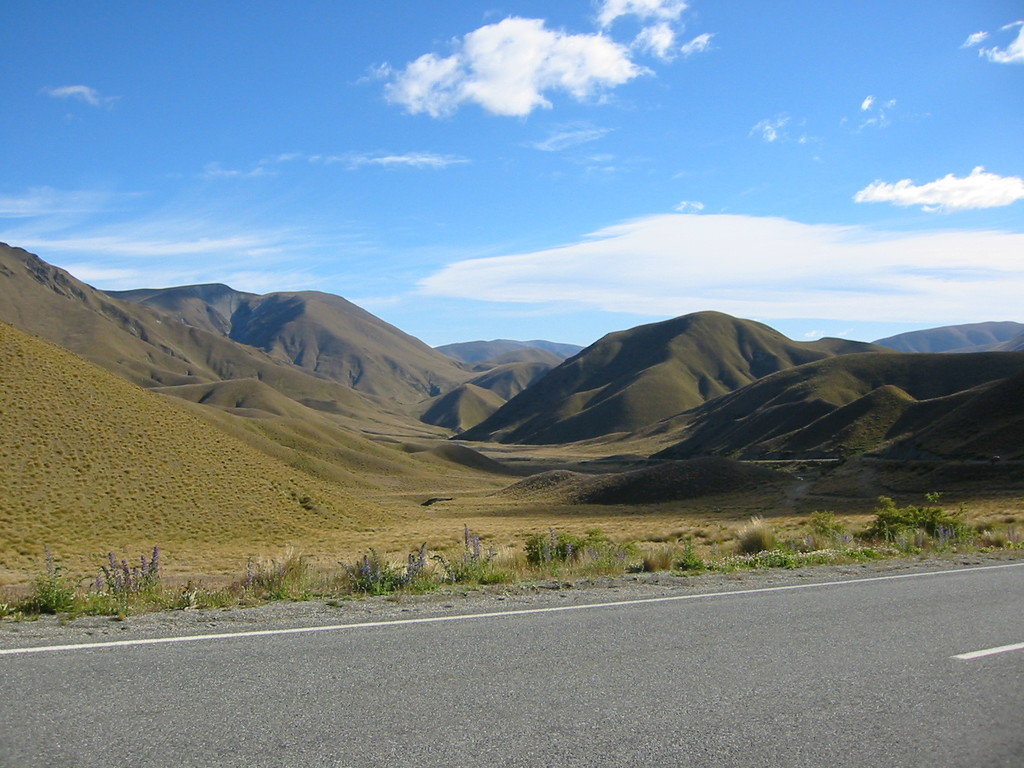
(89, 462)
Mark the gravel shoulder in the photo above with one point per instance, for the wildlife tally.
(55, 630)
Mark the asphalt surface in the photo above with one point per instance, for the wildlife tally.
(849, 673)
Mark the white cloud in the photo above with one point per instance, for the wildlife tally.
(80, 93)
(867, 103)
(569, 137)
(950, 193)
(657, 40)
(699, 44)
(660, 10)
(686, 206)
(770, 129)
(508, 67)
(975, 39)
(673, 264)
(430, 160)
(217, 171)
(46, 201)
(1011, 54)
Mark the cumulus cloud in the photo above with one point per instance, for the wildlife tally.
(699, 44)
(867, 103)
(1010, 54)
(950, 193)
(508, 67)
(80, 93)
(757, 267)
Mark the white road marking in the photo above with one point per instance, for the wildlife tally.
(489, 615)
(990, 652)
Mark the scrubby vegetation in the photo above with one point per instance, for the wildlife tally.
(119, 589)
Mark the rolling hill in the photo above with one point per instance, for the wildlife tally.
(634, 378)
(320, 333)
(507, 350)
(972, 337)
(91, 463)
(934, 405)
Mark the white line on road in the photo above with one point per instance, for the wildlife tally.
(989, 652)
(489, 615)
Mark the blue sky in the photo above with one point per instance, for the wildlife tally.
(477, 170)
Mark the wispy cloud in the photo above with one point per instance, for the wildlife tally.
(976, 39)
(83, 93)
(771, 128)
(428, 160)
(757, 267)
(46, 201)
(699, 44)
(660, 10)
(657, 39)
(688, 206)
(950, 193)
(877, 113)
(508, 68)
(1013, 53)
(566, 137)
(218, 171)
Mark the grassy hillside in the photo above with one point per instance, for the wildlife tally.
(858, 403)
(92, 463)
(634, 378)
(321, 333)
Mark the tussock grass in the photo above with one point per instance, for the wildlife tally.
(121, 589)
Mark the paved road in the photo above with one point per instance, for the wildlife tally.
(848, 674)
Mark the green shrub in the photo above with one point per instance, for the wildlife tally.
(52, 591)
(595, 550)
(473, 565)
(893, 523)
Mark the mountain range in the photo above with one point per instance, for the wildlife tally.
(314, 391)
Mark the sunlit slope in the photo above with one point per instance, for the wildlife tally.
(634, 378)
(151, 349)
(321, 333)
(940, 405)
(91, 462)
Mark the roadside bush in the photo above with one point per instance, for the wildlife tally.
(52, 591)
(756, 537)
(565, 548)
(894, 523)
(473, 565)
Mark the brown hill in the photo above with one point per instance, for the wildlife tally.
(668, 481)
(140, 345)
(91, 463)
(634, 378)
(467, 405)
(858, 403)
(319, 332)
(462, 408)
